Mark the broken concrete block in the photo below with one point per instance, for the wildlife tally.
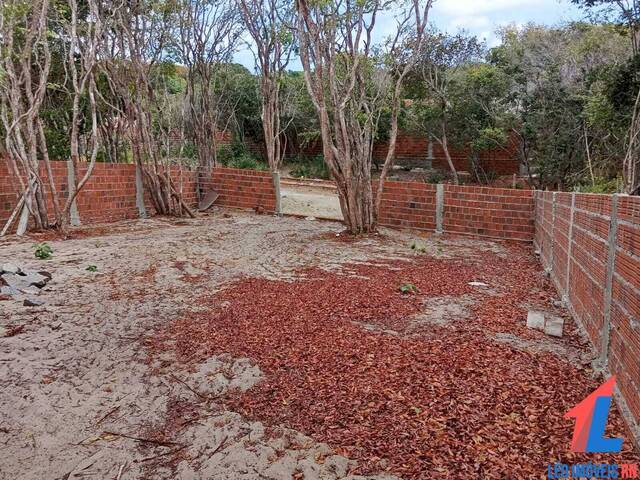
(10, 268)
(553, 326)
(10, 291)
(16, 282)
(35, 278)
(25, 280)
(33, 302)
(45, 274)
(535, 320)
(30, 291)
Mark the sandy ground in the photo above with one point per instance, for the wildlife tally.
(80, 398)
(310, 201)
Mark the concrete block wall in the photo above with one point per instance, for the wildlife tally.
(590, 245)
(110, 193)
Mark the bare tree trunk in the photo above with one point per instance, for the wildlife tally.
(22, 100)
(136, 43)
(631, 163)
(335, 50)
(208, 36)
(443, 141)
(25, 63)
(345, 140)
(587, 149)
(401, 69)
(266, 22)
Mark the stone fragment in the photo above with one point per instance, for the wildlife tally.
(45, 274)
(17, 282)
(34, 278)
(9, 291)
(33, 302)
(535, 320)
(9, 268)
(553, 326)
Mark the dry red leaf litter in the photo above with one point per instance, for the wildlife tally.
(446, 403)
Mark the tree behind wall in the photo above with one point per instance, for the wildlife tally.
(267, 22)
(441, 57)
(27, 29)
(208, 31)
(133, 63)
(350, 85)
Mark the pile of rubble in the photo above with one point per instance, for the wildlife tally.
(22, 284)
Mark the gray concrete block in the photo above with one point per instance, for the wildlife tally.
(9, 268)
(554, 326)
(535, 320)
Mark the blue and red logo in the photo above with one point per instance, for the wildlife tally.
(591, 421)
(589, 437)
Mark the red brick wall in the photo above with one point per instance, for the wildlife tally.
(482, 211)
(241, 188)
(577, 243)
(413, 151)
(490, 212)
(408, 205)
(109, 194)
(409, 148)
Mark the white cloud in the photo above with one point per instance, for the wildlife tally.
(478, 7)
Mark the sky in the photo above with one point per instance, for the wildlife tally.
(482, 18)
(477, 17)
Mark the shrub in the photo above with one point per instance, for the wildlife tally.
(237, 156)
(310, 167)
(602, 185)
(436, 176)
(247, 162)
(408, 288)
(225, 155)
(43, 250)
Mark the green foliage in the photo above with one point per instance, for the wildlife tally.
(562, 97)
(237, 155)
(248, 162)
(92, 268)
(602, 185)
(489, 138)
(43, 250)
(310, 167)
(408, 289)
(224, 155)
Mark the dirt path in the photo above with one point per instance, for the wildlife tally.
(81, 398)
(319, 202)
